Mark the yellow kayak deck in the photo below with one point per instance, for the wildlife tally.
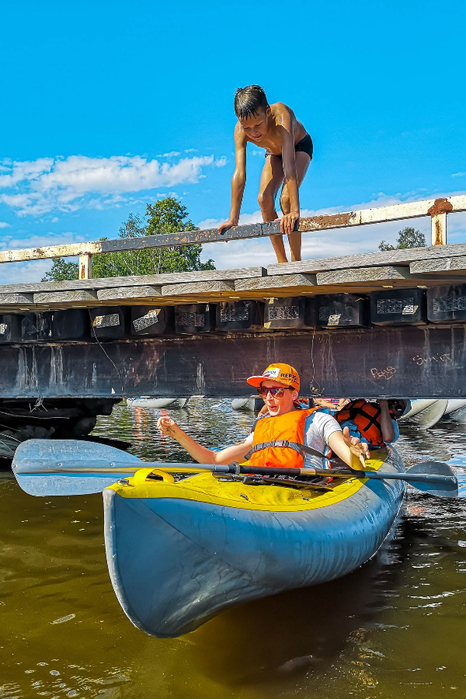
(219, 490)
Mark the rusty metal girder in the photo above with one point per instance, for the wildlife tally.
(415, 362)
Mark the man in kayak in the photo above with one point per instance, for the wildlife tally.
(288, 152)
(286, 436)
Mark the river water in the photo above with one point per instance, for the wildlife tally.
(395, 628)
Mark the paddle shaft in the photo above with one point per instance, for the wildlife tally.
(236, 469)
(349, 473)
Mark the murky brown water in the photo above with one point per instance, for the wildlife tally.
(396, 628)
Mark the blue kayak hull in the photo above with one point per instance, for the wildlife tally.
(174, 562)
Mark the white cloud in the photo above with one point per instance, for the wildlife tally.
(11, 240)
(459, 174)
(26, 170)
(65, 184)
(13, 272)
(3, 224)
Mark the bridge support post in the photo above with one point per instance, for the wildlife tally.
(438, 214)
(439, 228)
(85, 267)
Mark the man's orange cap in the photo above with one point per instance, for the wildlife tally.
(283, 373)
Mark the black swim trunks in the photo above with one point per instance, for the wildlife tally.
(305, 145)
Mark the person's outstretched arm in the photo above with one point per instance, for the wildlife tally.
(238, 181)
(349, 449)
(201, 454)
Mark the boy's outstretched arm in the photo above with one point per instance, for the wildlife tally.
(289, 219)
(238, 181)
(169, 428)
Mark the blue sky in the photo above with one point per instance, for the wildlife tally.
(109, 105)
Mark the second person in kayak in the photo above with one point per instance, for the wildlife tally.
(278, 437)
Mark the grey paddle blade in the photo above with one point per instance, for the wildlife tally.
(446, 489)
(45, 467)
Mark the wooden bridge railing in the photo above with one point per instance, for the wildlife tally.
(437, 209)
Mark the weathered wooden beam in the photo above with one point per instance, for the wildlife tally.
(301, 282)
(15, 299)
(363, 274)
(198, 289)
(368, 259)
(442, 265)
(206, 275)
(128, 292)
(65, 297)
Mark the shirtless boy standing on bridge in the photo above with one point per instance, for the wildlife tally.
(288, 152)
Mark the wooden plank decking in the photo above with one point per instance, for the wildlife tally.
(414, 267)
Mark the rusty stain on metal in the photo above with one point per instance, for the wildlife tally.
(440, 206)
(439, 229)
(314, 223)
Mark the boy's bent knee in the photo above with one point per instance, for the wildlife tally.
(265, 200)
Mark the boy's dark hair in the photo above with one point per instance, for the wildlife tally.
(248, 101)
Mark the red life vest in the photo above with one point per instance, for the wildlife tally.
(277, 440)
(366, 417)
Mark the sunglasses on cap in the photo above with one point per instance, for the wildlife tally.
(394, 405)
(275, 391)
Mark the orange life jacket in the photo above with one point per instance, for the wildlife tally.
(279, 441)
(366, 417)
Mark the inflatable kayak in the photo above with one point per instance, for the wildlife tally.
(158, 403)
(425, 413)
(179, 552)
(253, 403)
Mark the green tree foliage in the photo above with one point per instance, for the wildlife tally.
(62, 270)
(165, 216)
(407, 238)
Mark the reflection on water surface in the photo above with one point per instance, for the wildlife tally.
(394, 628)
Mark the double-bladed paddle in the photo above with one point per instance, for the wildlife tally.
(46, 467)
